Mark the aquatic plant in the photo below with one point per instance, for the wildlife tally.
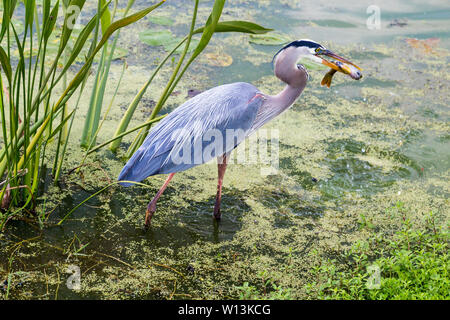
(411, 264)
(91, 124)
(33, 113)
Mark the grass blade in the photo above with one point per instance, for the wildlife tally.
(237, 26)
(5, 65)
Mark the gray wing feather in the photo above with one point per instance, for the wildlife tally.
(231, 106)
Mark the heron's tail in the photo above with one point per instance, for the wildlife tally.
(138, 168)
(125, 175)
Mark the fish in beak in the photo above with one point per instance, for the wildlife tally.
(341, 64)
(332, 55)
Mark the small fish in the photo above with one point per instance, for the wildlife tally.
(328, 77)
(342, 67)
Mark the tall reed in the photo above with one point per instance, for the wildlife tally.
(32, 113)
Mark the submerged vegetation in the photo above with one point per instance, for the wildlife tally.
(31, 114)
(411, 263)
(408, 263)
(358, 209)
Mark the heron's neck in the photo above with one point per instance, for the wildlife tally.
(274, 105)
(286, 98)
(295, 77)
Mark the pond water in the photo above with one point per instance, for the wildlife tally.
(354, 149)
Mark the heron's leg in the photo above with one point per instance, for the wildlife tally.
(151, 208)
(221, 166)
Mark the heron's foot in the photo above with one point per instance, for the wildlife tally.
(151, 209)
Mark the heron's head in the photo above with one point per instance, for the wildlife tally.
(288, 56)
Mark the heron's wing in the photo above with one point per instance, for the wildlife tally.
(204, 127)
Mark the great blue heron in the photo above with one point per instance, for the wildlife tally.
(237, 106)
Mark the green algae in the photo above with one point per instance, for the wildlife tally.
(330, 23)
(161, 20)
(270, 39)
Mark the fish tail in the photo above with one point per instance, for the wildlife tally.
(327, 80)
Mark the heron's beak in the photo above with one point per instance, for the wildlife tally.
(333, 55)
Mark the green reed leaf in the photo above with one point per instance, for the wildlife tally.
(5, 64)
(237, 26)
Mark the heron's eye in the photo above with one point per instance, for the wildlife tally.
(318, 49)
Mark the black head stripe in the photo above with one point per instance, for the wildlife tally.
(297, 43)
(303, 43)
